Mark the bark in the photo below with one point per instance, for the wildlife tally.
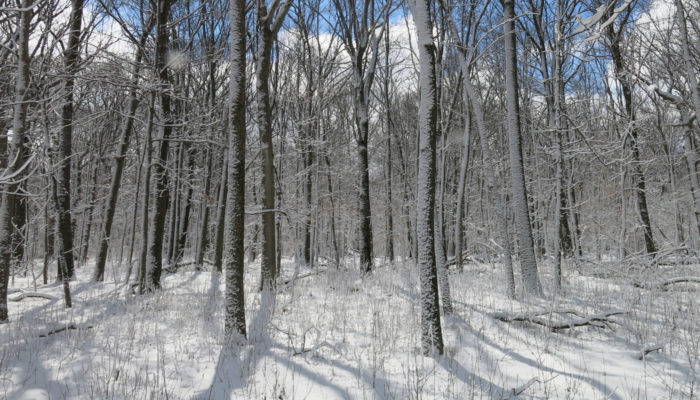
(161, 195)
(389, 134)
(85, 240)
(221, 215)
(203, 240)
(65, 150)
(439, 237)
(365, 244)
(269, 23)
(9, 163)
(143, 259)
(431, 331)
(234, 319)
(461, 187)
(687, 58)
(526, 250)
(691, 161)
(185, 216)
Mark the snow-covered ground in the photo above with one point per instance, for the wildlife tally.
(336, 335)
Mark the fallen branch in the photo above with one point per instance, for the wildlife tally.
(601, 320)
(647, 350)
(26, 295)
(520, 389)
(515, 392)
(665, 284)
(65, 328)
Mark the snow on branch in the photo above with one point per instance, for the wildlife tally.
(586, 24)
(26, 295)
(557, 320)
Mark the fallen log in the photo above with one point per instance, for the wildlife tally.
(26, 295)
(645, 351)
(65, 328)
(563, 319)
(663, 285)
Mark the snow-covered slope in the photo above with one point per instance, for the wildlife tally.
(336, 335)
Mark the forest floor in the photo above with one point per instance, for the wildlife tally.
(334, 334)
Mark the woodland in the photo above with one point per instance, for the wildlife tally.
(287, 199)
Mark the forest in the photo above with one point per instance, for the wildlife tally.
(351, 199)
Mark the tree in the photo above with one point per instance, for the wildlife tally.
(614, 41)
(11, 162)
(269, 23)
(65, 147)
(526, 250)
(431, 331)
(160, 173)
(234, 322)
(360, 30)
(468, 49)
(119, 159)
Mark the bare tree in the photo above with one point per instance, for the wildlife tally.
(11, 165)
(526, 250)
(161, 194)
(235, 327)
(122, 147)
(360, 30)
(269, 23)
(431, 331)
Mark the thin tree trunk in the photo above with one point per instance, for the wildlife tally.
(204, 229)
(622, 76)
(143, 259)
(388, 132)
(497, 200)
(85, 240)
(118, 166)
(221, 215)
(185, 217)
(687, 58)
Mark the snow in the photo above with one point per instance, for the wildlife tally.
(337, 334)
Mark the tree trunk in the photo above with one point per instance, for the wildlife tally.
(431, 331)
(268, 26)
(234, 325)
(143, 259)
(526, 250)
(85, 240)
(161, 196)
(65, 151)
(185, 216)
(20, 127)
(622, 76)
(388, 132)
(221, 215)
(203, 240)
